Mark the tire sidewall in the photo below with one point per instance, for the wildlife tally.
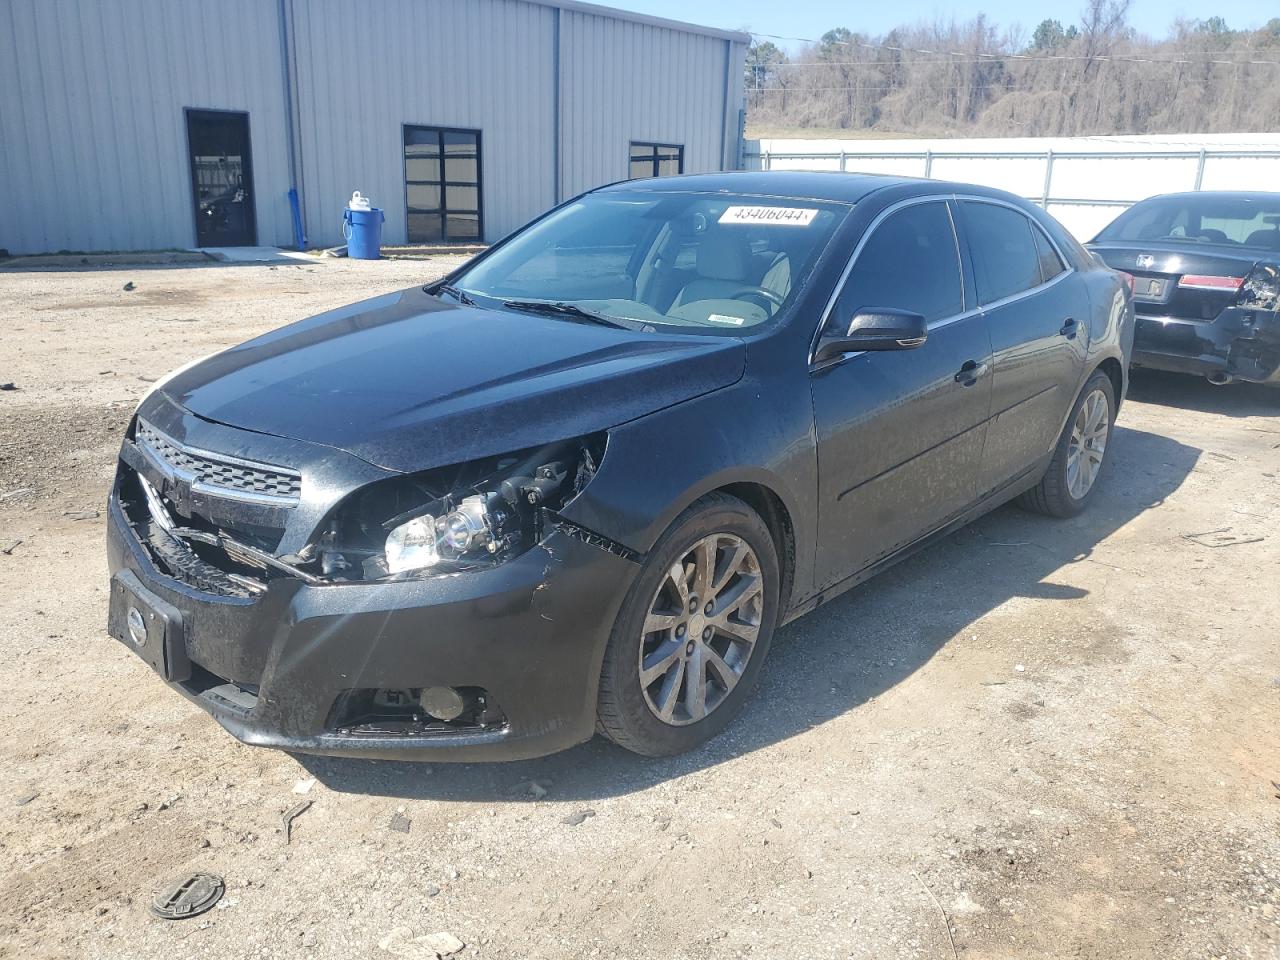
(642, 731)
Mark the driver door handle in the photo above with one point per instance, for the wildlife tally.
(1069, 328)
(970, 372)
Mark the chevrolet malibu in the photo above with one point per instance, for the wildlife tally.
(577, 484)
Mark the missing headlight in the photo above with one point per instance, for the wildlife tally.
(475, 514)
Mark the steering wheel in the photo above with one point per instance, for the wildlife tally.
(772, 299)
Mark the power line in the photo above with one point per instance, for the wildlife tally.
(864, 44)
(992, 58)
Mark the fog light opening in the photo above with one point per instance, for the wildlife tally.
(414, 711)
(442, 703)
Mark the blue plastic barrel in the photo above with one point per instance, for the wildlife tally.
(363, 230)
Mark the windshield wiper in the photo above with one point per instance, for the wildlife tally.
(460, 295)
(570, 310)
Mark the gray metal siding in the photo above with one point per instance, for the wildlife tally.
(93, 147)
(365, 70)
(628, 81)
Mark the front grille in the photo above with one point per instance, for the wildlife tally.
(218, 474)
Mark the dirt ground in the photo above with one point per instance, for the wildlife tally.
(1037, 739)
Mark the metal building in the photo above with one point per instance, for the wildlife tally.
(155, 124)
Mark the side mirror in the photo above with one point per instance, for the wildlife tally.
(876, 328)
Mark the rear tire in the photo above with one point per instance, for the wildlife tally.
(1080, 455)
(696, 624)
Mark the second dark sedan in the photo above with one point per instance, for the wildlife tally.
(578, 483)
(1206, 270)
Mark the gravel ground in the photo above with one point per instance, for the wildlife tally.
(1037, 739)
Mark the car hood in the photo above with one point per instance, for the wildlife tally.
(407, 382)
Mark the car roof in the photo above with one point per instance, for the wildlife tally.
(807, 184)
(1230, 194)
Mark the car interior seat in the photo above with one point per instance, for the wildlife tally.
(722, 267)
(1270, 239)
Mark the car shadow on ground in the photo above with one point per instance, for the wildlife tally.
(1196, 393)
(841, 655)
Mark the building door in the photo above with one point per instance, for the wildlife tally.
(221, 178)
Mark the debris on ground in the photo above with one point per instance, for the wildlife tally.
(1222, 537)
(26, 798)
(399, 822)
(401, 942)
(169, 802)
(14, 494)
(444, 944)
(81, 514)
(8, 551)
(290, 815)
(576, 819)
(304, 786)
(188, 896)
(128, 286)
(8, 386)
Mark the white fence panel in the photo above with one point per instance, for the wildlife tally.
(1083, 181)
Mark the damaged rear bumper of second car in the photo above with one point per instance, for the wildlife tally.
(1238, 344)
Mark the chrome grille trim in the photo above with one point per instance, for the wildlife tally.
(217, 474)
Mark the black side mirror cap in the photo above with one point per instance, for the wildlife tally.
(877, 328)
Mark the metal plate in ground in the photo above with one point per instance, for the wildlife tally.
(188, 896)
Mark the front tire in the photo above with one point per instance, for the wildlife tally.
(1069, 484)
(693, 632)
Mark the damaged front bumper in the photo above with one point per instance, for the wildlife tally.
(1238, 344)
(309, 667)
(215, 584)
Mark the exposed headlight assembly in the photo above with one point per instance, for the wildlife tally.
(470, 515)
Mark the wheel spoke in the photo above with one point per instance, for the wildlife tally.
(1073, 474)
(679, 578)
(660, 621)
(731, 566)
(659, 661)
(738, 630)
(704, 558)
(746, 588)
(695, 684)
(723, 672)
(669, 695)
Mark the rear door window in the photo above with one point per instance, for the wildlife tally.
(1005, 259)
(1050, 263)
(910, 263)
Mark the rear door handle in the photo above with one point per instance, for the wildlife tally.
(970, 372)
(1069, 328)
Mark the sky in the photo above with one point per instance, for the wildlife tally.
(812, 18)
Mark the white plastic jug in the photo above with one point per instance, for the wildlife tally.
(359, 202)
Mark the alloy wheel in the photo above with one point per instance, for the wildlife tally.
(1088, 444)
(701, 629)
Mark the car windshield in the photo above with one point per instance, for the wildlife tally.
(692, 261)
(1234, 221)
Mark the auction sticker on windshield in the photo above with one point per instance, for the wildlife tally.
(782, 216)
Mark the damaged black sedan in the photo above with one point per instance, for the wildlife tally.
(576, 484)
(1206, 270)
